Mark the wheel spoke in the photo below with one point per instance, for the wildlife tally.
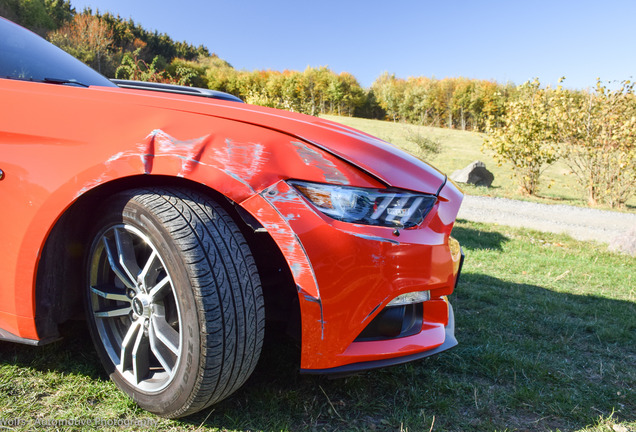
(110, 293)
(114, 265)
(150, 270)
(140, 354)
(126, 254)
(128, 345)
(165, 333)
(160, 350)
(111, 312)
(160, 290)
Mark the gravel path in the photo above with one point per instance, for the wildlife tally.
(616, 229)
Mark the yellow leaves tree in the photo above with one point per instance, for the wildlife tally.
(86, 37)
(450, 102)
(312, 91)
(527, 139)
(598, 131)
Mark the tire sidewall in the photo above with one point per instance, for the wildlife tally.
(178, 394)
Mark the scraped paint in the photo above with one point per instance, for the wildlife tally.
(189, 151)
(243, 159)
(372, 238)
(240, 161)
(265, 206)
(314, 158)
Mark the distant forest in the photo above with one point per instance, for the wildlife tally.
(528, 126)
(120, 48)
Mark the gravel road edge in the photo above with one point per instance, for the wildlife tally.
(617, 230)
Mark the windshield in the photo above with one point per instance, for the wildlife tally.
(26, 56)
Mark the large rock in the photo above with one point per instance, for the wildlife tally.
(475, 173)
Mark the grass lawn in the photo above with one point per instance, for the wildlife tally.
(547, 332)
(460, 148)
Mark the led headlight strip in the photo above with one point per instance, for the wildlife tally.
(382, 207)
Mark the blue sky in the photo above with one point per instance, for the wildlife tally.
(495, 40)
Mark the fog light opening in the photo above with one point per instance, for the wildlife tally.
(394, 322)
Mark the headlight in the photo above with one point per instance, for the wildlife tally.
(384, 207)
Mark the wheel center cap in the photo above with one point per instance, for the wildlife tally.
(141, 305)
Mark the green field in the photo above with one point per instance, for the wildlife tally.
(460, 148)
(547, 332)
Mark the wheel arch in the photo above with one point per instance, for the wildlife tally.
(58, 287)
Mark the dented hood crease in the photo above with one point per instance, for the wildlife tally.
(382, 160)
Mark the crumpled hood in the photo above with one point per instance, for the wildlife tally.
(382, 160)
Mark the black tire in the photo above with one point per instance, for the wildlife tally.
(173, 299)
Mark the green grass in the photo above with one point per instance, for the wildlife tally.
(460, 148)
(547, 332)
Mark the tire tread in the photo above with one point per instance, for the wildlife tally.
(225, 285)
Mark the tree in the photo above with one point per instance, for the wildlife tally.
(462, 101)
(220, 75)
(187, 73)
(389, 92)
(134, 68)
(598, 131)
(527, 139)
(86, 37)
(32, 14)
(60, 11)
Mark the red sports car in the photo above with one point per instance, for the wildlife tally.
(181, 219)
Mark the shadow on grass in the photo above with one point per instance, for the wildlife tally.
(529, 358)
(74, 354)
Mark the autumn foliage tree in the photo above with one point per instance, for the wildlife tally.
(450, 102)
(598, 132)
(527, 138)
(313, 91)
(87, 38)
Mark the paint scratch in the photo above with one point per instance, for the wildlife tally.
(240, 161)
(372, 238)
(314, 158)
(189, 151)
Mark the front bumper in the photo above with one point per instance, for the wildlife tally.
(346, 274)
(449, 342)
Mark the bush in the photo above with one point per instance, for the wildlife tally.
(527, 139)
(428, 146)
(598, 131)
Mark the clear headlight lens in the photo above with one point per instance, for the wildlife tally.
(390, 208)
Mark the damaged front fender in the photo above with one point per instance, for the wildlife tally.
(347, 273)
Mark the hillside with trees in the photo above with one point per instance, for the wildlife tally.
(528, 126)
(120, 48)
